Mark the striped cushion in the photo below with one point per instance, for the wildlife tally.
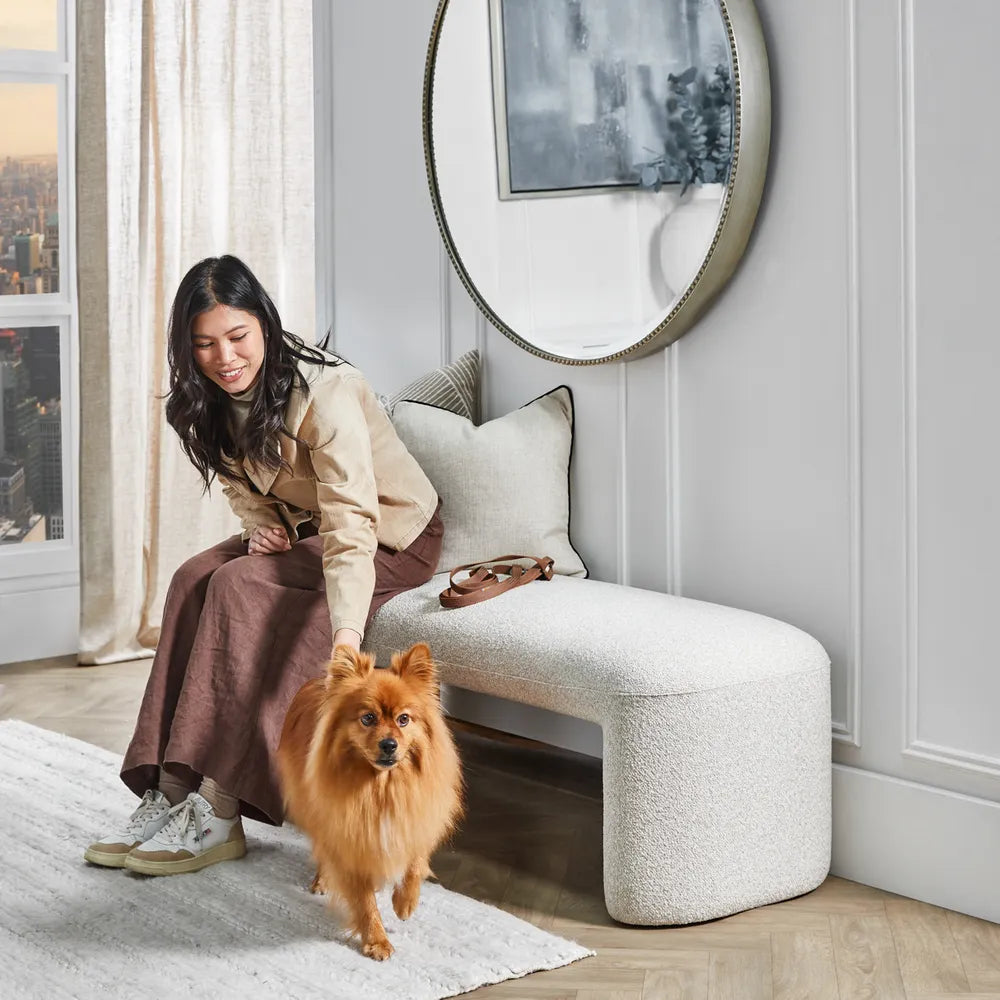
(452, 387)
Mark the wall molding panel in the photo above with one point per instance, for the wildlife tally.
(624, 573)
(916, 747)
(444, 303)
(849, 731)
(907, 123)
(672, 463)
(965, 760)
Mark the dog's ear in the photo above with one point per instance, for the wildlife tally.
(416, 665)
(346, 664)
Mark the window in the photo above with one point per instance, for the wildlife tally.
(29, 188)
(38, 313)
(31, 454)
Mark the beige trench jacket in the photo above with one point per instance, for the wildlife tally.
(352, 478)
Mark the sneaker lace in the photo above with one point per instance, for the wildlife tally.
(183, 817)
(137, 821)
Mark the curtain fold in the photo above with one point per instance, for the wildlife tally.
(195, 138)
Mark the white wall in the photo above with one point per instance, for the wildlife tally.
(820, 446)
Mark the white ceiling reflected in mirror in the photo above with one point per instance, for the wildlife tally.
(595, 165)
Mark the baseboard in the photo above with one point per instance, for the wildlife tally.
(918, 841)
(524, 720)
(39, 623)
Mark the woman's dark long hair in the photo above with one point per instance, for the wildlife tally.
(198, 409)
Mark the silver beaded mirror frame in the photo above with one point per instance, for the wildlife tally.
(457, 165)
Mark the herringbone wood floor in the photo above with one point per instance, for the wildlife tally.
(531, 843)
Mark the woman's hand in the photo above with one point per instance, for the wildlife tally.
(268, 542)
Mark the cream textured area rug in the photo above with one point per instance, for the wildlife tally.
(245, 928)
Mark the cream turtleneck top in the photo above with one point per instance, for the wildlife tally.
(239, 407)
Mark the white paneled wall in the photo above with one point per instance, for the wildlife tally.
(952, 407)
(388, 299)
(820, 446)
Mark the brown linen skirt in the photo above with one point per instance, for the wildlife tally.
(240, 635)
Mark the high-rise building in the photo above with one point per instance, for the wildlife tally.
(28, 250)
(40, 350)
(6, 385)
(10, 345)
(13, 492)
(50, 427)
(22, 438)
(52, 231)
(50, 253)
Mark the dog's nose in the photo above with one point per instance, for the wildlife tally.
(388, 746)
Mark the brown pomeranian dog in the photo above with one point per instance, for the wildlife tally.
(371, 774)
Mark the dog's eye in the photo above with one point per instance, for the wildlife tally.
(368, 719)
(403, 719)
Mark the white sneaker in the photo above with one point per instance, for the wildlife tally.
(148, 819)
(192, 838)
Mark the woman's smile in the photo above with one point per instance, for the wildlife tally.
(228, 347)
(232, 374)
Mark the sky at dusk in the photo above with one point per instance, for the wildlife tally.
(28, 24)
(28, 111)
(29, 119)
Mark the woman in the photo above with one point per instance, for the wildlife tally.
(331, 504)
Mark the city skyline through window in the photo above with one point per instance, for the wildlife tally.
(38, 312)
(29, 189)
(31, 482)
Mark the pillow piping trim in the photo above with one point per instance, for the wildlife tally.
(569, 461)
(569, 466)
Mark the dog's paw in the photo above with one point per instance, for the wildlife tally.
(404, 901)
(380, 949)
(318, 887)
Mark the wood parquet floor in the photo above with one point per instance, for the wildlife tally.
(531, 844)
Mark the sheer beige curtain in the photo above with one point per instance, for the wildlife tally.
(195, 138)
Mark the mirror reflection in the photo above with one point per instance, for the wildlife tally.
(582, 151)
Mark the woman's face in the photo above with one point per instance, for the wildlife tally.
(228, 347)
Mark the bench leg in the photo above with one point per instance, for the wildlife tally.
(716, 801)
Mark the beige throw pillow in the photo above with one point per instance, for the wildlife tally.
(504, 484)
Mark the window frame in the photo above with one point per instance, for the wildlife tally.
(55, 563)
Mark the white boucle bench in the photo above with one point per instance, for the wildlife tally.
(716, 726)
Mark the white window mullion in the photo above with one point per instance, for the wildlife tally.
(24, 61)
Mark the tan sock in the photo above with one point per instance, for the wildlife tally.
(174, 789)
(225, 805)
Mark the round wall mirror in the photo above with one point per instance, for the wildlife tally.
(595, 165)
